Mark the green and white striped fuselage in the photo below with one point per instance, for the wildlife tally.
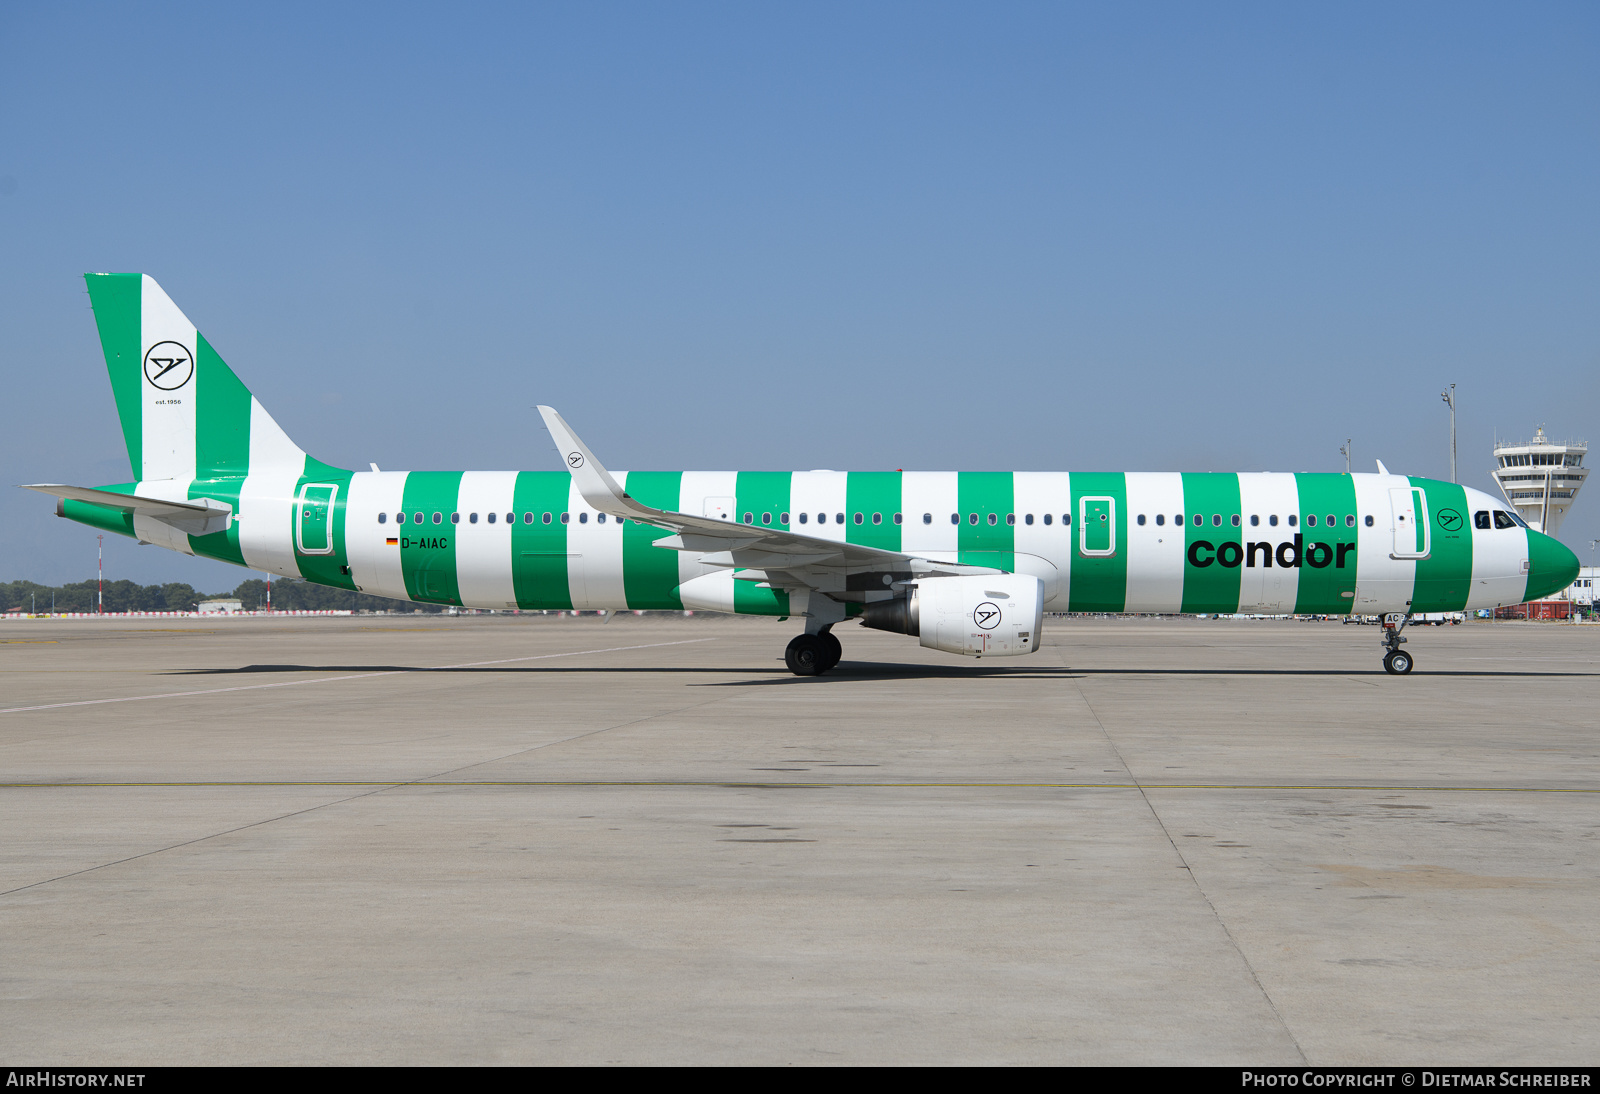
(220, 478)
(1101, 542)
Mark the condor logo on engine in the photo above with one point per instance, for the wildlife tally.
(964, 614)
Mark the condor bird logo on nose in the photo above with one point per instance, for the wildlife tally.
(986, 615)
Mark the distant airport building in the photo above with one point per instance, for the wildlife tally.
(220, 607)
(1582, 590)
(1576, 601)
(1541, 478)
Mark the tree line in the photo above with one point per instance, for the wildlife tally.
(288, 594)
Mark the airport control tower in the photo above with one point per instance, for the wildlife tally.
(1541, 478)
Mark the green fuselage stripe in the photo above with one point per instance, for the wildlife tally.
(985, 500)
(1099, 583)
(428, 549)
(331, 569)
(762, 498)
(761, 501)
(539, 549)
(1213, 547)
(650, 574)
(1327, 582)
(1444, 578)
(872, 498)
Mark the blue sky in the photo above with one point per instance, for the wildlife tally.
(1140, 237)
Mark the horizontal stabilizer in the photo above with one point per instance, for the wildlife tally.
(197, 517)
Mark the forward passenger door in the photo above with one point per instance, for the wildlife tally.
(1409, 508)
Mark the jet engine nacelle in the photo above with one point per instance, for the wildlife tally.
(982, 616)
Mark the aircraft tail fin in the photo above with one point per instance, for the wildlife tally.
(184, 413)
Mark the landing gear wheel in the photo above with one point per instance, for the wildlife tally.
(1397, 662)
(832, 650)
(806, 655)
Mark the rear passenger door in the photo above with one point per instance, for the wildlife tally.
(313, 524)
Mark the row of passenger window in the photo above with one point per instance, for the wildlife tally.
(1481, 519)
(472, 518)
(749, 518)
(899, 518)
(1312, 520)
(877, 518)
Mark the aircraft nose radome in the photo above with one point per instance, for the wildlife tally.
(1552, 566)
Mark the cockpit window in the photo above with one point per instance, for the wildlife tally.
(1480, 519)
(1503, 519)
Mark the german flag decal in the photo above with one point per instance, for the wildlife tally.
(391, 541)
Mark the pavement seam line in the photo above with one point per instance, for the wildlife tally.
(1194, 880)
(428, 780)
(334, 679)
(376, 789)
(809, 784)
(381, 788)
(190, 842)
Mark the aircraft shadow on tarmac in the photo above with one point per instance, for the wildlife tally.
(846, 670)
(863, 671)
(849, 671)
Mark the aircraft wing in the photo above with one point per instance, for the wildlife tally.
(198, 517)
(774, 556)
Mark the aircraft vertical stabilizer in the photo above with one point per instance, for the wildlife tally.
(184, 413)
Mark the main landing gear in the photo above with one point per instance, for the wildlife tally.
(1396, 661)
(813, 654)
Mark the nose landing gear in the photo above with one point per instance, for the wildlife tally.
(1396, 661)
(813, 654)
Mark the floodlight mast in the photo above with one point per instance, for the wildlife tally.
(1449, 396)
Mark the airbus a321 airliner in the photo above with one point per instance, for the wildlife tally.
(966, 562)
